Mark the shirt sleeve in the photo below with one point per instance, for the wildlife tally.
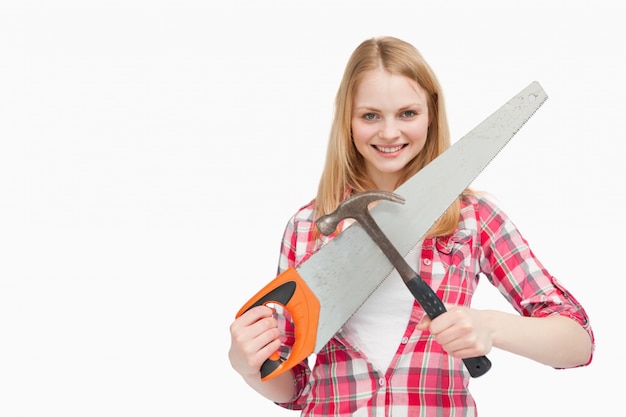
(513, 268)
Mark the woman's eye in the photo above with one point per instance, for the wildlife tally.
(369, 116)
(408, 113)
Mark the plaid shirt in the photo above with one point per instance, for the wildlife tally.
(422, 379)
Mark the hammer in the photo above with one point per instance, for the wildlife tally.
(356, 207)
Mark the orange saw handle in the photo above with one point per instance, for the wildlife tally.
(290, 291)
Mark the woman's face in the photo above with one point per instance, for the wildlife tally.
(389, 124)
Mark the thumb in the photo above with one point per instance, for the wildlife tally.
(424, 323)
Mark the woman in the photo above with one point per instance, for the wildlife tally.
(390, 121)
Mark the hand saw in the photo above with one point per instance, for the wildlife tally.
(323, 292)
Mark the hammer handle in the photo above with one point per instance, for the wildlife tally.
(425, 296)
(433, 306)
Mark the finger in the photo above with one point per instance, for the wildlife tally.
(252, 325)
(453, 342)
(453, 317)
(263, 330)
(255, 314)
(424, 323)
(248, 357)
(242, 324)
(252, 345)
(267, 349)
(470, 351)
(261, 346)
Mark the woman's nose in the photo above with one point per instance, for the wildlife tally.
(390, 130)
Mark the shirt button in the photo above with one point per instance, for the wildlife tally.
(426, 261)
(405, 340)
(381, 382)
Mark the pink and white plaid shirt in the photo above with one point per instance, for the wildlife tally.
(422, 379)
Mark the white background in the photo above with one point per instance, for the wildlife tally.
(151, 153)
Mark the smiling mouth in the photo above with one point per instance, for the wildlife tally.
(387, 149)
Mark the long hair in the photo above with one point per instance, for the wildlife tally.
(344, 170)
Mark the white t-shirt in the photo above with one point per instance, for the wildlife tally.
(377, 327)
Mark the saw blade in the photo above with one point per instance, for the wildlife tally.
(346, 271)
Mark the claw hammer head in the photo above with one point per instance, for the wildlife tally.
(354, 207)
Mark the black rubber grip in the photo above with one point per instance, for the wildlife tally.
(433, 307)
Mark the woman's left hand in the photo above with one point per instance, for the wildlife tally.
(461, 331)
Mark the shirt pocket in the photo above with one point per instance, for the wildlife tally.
(457, 277)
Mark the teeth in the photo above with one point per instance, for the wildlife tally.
(389, 150)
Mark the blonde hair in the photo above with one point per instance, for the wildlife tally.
(344, 169)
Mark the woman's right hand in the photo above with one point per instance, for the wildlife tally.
(254, 336)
